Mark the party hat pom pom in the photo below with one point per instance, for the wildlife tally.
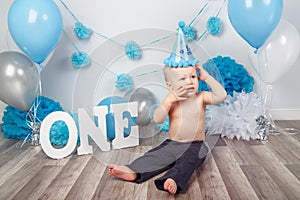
(133, 50)
(181, 24)
(214, 25)
(80, 59)
(124, 82)
(82, 31)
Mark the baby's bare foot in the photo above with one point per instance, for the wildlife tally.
(122, 172)
(170, 185)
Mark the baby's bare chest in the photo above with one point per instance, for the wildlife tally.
(187, 111)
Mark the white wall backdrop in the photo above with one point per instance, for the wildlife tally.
(123, 19)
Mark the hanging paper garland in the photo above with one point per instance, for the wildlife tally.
(80, 59)
(133, 50)
(124, 82)
(214, 26)
(190, 32)
(15, 126)
(82, 31)
(234, 76)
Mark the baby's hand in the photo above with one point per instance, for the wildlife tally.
(180, 93)
(203, 73)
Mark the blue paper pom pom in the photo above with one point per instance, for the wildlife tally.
(214, 25)
(80, 59)
(15, 126)
(164, 126)
(190, 32)
(133, 50)
(82, 31)
(124, 82)
(234, 76)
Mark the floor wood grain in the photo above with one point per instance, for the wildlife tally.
(234, 169)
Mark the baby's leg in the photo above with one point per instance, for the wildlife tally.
(122, 172)
(183, 169)
(150, 164)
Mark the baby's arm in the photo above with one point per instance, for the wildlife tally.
(163, 109)
(218, 93)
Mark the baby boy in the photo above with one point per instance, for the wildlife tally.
(184, 151)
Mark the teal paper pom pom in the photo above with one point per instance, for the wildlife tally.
(124, 82)
(214, 25)
(133, 50)
(234, 76)
(81, 31)
(15, 126)
(190, 32)
(164, 126)
(80, 59)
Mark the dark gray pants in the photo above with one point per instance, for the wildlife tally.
(181, 158)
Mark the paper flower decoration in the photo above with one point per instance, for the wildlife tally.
(190, 32)
(133, 50)
(124, 82)
(80, 59)
(234, 75)
(81, 31)
(14, 122)
(241, 111)
(214, 25)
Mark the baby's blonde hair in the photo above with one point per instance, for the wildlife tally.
(167, 72)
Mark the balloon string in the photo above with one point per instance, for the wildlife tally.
(280, 130)
(287, 130)
(25, 140)
(32, 119)
(260, 85)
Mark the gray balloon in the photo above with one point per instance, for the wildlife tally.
(19, 81)
(146, 100)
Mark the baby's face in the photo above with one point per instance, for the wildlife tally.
(185, 77)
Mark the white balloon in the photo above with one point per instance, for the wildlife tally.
(277, 56)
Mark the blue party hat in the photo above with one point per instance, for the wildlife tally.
(181, 55)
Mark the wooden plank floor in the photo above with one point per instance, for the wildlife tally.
(233, 170)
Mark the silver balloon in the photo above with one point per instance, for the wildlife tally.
(146, 100)
(19, 81)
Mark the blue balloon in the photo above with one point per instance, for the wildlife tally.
(110, 120)
(255, 20)
(35, 26)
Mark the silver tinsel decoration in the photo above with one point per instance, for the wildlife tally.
(263, 127)
(35, 135)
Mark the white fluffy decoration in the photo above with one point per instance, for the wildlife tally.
(241, 111)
